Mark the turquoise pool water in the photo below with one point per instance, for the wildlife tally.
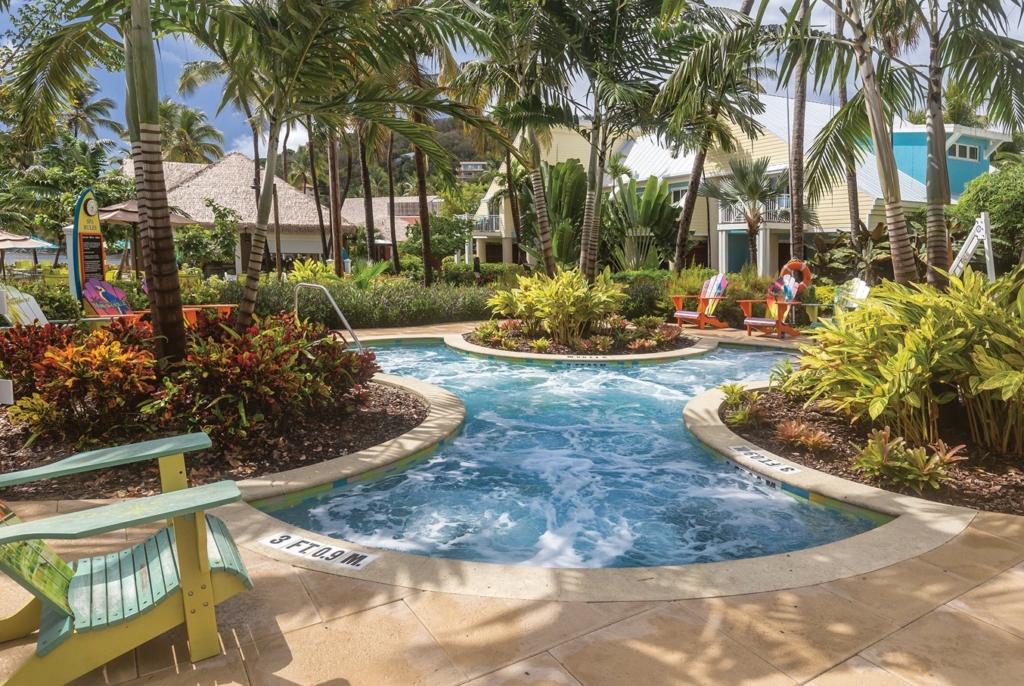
(573, 467)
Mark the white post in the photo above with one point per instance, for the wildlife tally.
(72, 253)
(990, 256)
(469, 252)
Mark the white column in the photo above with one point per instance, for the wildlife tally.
(506, 249)
(713, 238)
(469, 251)
(481, 249)
(723, 252)
(763, 256)
(72, 253)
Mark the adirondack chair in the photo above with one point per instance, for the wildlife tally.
(775, 312)
(712, 292)
(106, 300)
(20, 308)
(99, 608)
(849, 295)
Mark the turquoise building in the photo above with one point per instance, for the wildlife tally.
(968, 152)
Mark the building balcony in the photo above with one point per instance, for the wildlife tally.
(776, 211)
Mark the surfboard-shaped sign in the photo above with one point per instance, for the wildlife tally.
(86, 259)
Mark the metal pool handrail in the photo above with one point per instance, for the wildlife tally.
(316, 286)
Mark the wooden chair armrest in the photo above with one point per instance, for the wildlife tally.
(101, 520)
(110, 457)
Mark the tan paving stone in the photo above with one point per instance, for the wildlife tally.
(999, 601)
(803, 632)
(621, 610)
(118, 671)
(484, 634)
(857, 672)
(902, 592)
(338, 596)
(385, 646)
(975, 555)
(1005, 526)
(278, 603)
(12, 596)
(226, 669)
(31, 509)
(539, 670)
(666, 646)
(946, 647)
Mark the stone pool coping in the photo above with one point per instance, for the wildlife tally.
(919, 526)
(445, 414)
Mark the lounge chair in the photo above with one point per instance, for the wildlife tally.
(849, 295)
(102, 607)
(712, 291)
(775, 311)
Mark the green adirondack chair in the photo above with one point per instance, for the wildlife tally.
(99, 608)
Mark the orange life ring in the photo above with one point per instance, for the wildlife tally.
(794, 266)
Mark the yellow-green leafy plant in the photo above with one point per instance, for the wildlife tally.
(908, 350)
(602, 344)
(891, 462)
(540, 345)
(734, 395)
(563, 305)
(312, 271)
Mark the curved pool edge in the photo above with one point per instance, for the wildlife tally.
(919, 526)
(445, 415)
(456, 342)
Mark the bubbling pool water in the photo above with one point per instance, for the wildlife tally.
(573, 467)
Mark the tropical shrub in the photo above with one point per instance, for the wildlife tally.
(23, 347)
(646, 293)
(743, 408)
(564, 306)
(94, 386)
(909, 350)
(640, 227)
(312, 271)
(890, 461)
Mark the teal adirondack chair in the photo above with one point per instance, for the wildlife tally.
(99, 608)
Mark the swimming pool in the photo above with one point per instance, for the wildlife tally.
(567, 466)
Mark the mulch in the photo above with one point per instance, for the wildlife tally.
(297, 442)
(985, 481)
(522, 345)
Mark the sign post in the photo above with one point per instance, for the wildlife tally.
(86, 259)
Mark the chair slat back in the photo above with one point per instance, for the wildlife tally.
(718, 284)
(105, 299)
(22, 308)
(36, 567)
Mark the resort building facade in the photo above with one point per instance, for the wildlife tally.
(720, 232)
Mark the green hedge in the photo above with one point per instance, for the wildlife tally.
(499, 273)
(646, 293)
(386, 302)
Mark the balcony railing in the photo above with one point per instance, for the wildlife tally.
(774, 211)
(489, 224)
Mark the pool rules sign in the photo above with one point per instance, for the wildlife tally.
(313, 550)
(86, 260)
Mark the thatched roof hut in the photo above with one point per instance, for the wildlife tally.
(228, 181)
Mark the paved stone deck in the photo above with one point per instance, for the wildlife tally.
(952, 617)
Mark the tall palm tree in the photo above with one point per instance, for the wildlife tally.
(751, 190)
(796, 155)
(85, 113)
(713, 86)
(186, 135)
(850, 163)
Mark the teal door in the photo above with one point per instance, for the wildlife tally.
(739, 250)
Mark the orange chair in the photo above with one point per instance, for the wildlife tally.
(774, 320)
(712, 292)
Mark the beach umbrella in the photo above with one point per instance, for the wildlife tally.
(128, 213)
(13, 241)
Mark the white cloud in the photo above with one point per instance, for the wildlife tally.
(243, 144)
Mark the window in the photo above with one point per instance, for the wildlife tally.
(958, 151)
(677, 194)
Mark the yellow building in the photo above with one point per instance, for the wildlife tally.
(720, 231)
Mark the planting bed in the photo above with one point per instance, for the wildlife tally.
(984, 481)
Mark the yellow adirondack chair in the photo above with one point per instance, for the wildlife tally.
(99, 608)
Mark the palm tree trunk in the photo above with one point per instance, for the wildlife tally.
(334, 189)
(541, 206)
(131, 108)
(904, 266)
(513, 201)
(164, 281)
(937, 174)
(595, 221)
(593, 174)
(316, 188)
(752, 231)
(689, 203)
(255, 152)
(284, 152)
(259, 238)
(364, 164)
(391, 203)
(796, 161)
(421, 188)
(852, 197)
(279, 263)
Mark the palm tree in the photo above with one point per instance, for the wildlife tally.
(796, 158)
(186, 135)
(84, 113)
(713, 86)
(857, 240)
(751, 190)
